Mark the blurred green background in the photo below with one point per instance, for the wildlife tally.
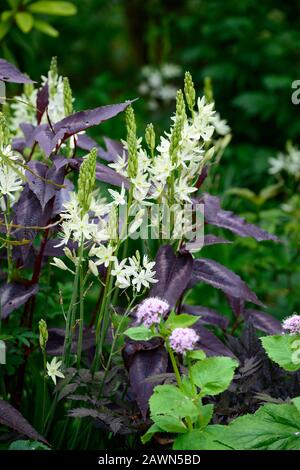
(250, 50)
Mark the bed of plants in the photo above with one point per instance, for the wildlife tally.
(109, 335)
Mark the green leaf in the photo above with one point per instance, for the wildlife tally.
(150, 433)
(169, 400)
(197, 354)
(27, 445)
(53, 8)
(140, 333)
(6, 15)
(24, 20)
(206, 413)
(296, 402)
(284, 350)
(4, 28)
(180, 321)
(207, 439)
(214, 374)
(272, 427)
(169, 423)
(45, 28)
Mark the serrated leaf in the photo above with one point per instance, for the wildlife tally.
(284, 350)
(180, 321)
(140, 333)
(272, 427)
(169, 423)
(10, 73)
(208, 439)
(170, 400)
(213, 375)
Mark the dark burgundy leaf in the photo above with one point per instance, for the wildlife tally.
(13, 296)
(20, 143)
(215, 274)
(28, 214)
(210, 343)
(13, 419)
(263, 321)
(10, 73)
(45, 182)
(202, 177)
(42, 101)
(55, 344)
(144, 364)
(214, 215)
(237, 305)
(196, 245)
(48, 137)
(173, 274)
(208, 315)
(87, 143)
(114, 148)
(110, 176)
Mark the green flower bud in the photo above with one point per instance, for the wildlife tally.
(189, 91)
(86, 180)
(4, 131)
(150, 137)
(53, 73)
(180, 105)
(68, 97)
(131, 142)
(43, 334)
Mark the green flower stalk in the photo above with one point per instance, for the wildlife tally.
(53, 72)
(4, 131)
(150, 138)
(68, 97)
(43, 338)
(86, 181)
(180, 105)
(131, 142)
(189, 91)
(208, 90)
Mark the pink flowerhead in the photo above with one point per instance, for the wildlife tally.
(292, 324)
(183, 339)
(151, 311)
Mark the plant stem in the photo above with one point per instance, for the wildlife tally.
(44, 390)
(81, 309)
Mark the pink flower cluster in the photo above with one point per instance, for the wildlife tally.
(292, 324)
(183, 339)
(151, 311)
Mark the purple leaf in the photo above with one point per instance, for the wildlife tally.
(196, 245)
(215, 274)
(85, 142)
(208, 315)
(55, 344)
(173, 274)
(202, 177)
(10, 73)
(110, 176)
(42, 101)
(13, 419)
(263, 321)
(15, 295)
(45, 181)
(214, 215)
(209, 342)
(48, 138)
(143, 364)
(114, 148)
(237, 305)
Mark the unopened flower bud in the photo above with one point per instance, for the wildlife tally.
(43, 334)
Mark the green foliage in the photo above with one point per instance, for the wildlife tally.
(140, 333)
(272, 427)
(27, 445)
(284, 350)
(213, 374)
